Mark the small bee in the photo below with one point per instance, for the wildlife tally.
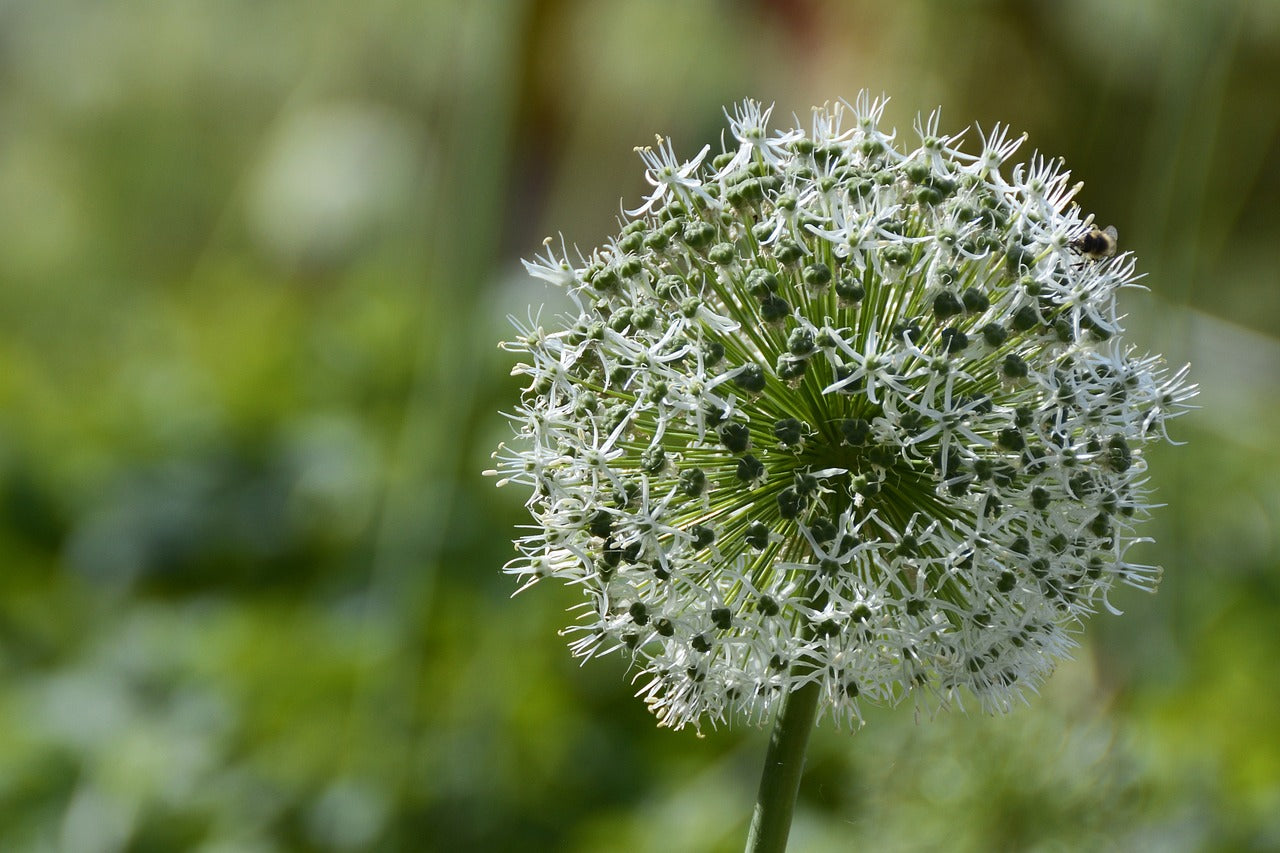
(1097, 244)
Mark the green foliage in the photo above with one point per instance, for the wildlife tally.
(252, 266)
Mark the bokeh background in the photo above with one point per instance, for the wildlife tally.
(254, 261)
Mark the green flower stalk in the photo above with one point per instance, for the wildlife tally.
(836, 417)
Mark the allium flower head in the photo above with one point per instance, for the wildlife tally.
(829, 411)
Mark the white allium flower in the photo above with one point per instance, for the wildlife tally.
(831, 412)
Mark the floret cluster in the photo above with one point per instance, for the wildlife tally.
(831, 411)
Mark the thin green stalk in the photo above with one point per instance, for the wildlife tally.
(783, 767)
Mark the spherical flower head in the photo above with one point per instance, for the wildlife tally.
(830, 411)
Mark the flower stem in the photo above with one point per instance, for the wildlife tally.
(783, 767)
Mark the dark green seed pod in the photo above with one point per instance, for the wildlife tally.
(994, 334)
(816, 275)
(735, 436)
(1119, 457)
(802, 341)
(1025, 319)
(712, 353)
(975, 301)
(699, 235)
(1014, 367)
(787, 252)
(692, 482)
(631, 242)
(855, 431)
(630, 267)
(750, 469)
(750, 379)
(722, 254)
(790, 503)
(653, 460)
(601, 524)
(908, 329)
(761, 283)
(789, 368)
(788, 431)
(946, 305)
(823, 530)
(774, 309)
(850, 291)
(639, 613)
(954, 340)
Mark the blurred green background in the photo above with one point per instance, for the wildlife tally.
(254, 260)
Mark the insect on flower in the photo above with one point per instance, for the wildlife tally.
(1097, 244)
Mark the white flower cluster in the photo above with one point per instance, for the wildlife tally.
(831, 412)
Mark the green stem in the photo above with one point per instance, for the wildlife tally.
(783, 767)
